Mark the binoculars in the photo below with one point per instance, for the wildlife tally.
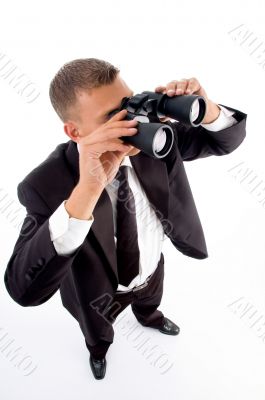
(153, 137)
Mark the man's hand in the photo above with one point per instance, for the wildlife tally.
(102, 151)
(187, 87)
(100, 155)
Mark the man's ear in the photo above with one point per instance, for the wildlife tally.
(71, 130)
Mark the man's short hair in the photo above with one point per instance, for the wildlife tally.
(82, 73)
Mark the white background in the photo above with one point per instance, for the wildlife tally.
(217, 355)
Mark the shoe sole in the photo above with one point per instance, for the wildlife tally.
(169, 333)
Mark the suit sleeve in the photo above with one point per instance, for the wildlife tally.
(35, 270)
(198, 142)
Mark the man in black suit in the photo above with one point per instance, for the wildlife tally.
(68, 240)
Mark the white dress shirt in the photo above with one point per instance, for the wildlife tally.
(68, 233)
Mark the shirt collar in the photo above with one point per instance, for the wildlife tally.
(125, 161)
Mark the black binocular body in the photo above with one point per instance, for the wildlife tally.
(153, 137)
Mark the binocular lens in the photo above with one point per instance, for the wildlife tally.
(160, 140)
(195, 110)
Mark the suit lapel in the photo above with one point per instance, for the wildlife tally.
(152, 174)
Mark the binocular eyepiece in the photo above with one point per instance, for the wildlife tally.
(153, 137)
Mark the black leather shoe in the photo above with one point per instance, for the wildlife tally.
(169, 327)
(98, 367)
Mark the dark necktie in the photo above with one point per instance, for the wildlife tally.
(127, 248)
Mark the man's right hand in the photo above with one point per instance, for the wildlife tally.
(100, 155)
(101, 152)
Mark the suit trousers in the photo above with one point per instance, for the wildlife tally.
(144, 303)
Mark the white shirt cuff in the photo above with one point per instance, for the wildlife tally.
(224, 120)
(67, 233)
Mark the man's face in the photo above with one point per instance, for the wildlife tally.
(92, 108)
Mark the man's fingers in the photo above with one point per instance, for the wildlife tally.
(118, 116)
(103, 147)
(124, 123)
(171, 88)
(160, 89)
(180, 87)
(176, 87)
(193, 86)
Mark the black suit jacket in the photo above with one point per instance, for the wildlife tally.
(35, 271)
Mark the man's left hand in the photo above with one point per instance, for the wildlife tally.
(188, 87)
